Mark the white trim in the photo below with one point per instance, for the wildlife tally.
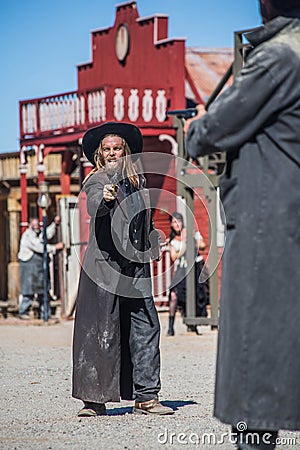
(155, 33)
(84, 64)
(85, 162)
(41, 167)
(167, 40)
(22, 155)
(221, 50)
(124, 4)
(173, 142)
(41, 154)
(154, 16)
(100, 30)
(23, 169)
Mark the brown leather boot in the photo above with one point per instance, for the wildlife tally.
(152, 407)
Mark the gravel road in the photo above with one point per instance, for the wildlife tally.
(38, 412)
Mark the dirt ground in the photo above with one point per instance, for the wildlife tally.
(38, 412)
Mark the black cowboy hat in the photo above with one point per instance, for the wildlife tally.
(127, 131)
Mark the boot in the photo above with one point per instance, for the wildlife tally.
(192, 329)
(152, 407)
(171, 326)
(92, 409)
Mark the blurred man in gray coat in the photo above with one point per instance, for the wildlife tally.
(31, 263)
(257, 122)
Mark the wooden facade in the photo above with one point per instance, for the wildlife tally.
(10, 211)
(134, 78)
(136, 74)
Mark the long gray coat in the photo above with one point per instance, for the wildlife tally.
(96, 343)
(257, 122)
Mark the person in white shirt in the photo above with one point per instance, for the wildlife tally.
(31, 263)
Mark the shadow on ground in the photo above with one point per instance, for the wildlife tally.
(174, 404)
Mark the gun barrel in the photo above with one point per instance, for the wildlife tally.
(183, 113)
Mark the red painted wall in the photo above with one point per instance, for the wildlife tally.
(148, 64)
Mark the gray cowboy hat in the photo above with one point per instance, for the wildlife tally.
(127, 131)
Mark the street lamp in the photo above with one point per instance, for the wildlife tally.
(44, 202)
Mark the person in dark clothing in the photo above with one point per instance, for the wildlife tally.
(116, 331)
(257, 122)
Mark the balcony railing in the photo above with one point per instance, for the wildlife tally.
(76, 111)
(62, 112)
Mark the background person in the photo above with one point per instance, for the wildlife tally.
(177, 293)
(257, 122)
(31, 264)
(116, 331)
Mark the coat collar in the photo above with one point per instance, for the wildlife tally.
(273, 27)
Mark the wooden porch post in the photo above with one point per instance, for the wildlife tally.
(87, 166)
(65, 178)
(23, 186)
(39, 151)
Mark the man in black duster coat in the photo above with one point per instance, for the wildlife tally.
(116, 331)
(257, 122)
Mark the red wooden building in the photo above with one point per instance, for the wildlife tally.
(136, 74)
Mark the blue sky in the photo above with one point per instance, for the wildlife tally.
(41, 42)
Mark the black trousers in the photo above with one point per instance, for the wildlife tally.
(140, 334)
